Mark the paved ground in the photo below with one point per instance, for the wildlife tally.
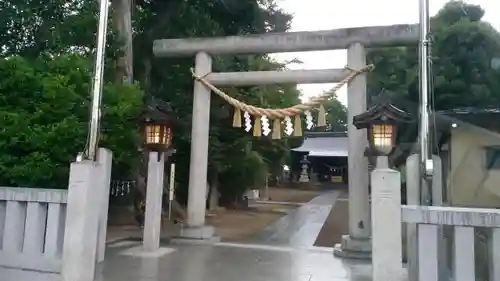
(232, 262)
(220, 262)
(336, 224)
(301, 226)
(233, 225)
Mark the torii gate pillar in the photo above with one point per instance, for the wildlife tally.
(357, 243)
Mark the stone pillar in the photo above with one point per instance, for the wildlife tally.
(357, 243)
(196, 207)
(412, 198)
(104, 159)
(80, 235)
(154, 196)
(386, 224)
(437, 200)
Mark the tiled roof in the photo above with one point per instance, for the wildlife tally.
(470, 110)
(324, 144)
(486, 118)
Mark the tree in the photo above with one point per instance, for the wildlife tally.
(122, 19)
(44, 103)
(462, 49)
(30, 28)
(38, 30)
(336, 115)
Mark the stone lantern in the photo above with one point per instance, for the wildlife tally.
(304, 169)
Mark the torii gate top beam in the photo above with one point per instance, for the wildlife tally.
(336, 39)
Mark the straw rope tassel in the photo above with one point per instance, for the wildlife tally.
(237, 118)
(321, 116)
(297, 128)
(276, 129)
(256, 127)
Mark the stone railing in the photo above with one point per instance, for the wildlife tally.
(32, 225)
(441, 241)
(463, 221)
(47, 233)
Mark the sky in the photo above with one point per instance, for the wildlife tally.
(310, 15)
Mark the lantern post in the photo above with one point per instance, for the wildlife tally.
(381, 121)
(157, 133)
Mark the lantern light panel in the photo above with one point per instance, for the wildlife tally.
(152, 134)
(158, 134)
(382, 135)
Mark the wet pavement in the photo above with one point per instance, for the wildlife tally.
(282, 252)
(228, 262)
(219, 262)
(299, 227)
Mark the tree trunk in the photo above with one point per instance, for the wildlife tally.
(147, 75)
(122, 17)
(213, 195)
(264, 191)
(141, 171)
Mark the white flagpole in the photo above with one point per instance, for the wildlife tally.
(424, 131)
(93, 139)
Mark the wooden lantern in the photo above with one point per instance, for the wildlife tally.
(381, 121)
(157, 126)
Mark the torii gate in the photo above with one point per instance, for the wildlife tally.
(357, 243)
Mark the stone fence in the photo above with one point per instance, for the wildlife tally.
(440, 241)
(463, 221)
(48, 234)
(32, 228)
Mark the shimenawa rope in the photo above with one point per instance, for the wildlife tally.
(280, 113)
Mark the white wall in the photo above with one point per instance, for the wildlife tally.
(469, 183)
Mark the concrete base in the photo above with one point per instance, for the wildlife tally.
(140, 252)
(353, 248)
(189, 241)
(198, 235)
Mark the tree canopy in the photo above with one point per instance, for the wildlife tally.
(236, 159)
(47, 54)
(44, 108)
(463, 47)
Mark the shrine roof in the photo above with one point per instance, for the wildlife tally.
(324, 144)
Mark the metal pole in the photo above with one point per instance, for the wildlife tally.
(93, 139)
(426, 162)
(425, 152)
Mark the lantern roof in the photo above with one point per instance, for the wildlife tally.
(157, 111)
(384, 112)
